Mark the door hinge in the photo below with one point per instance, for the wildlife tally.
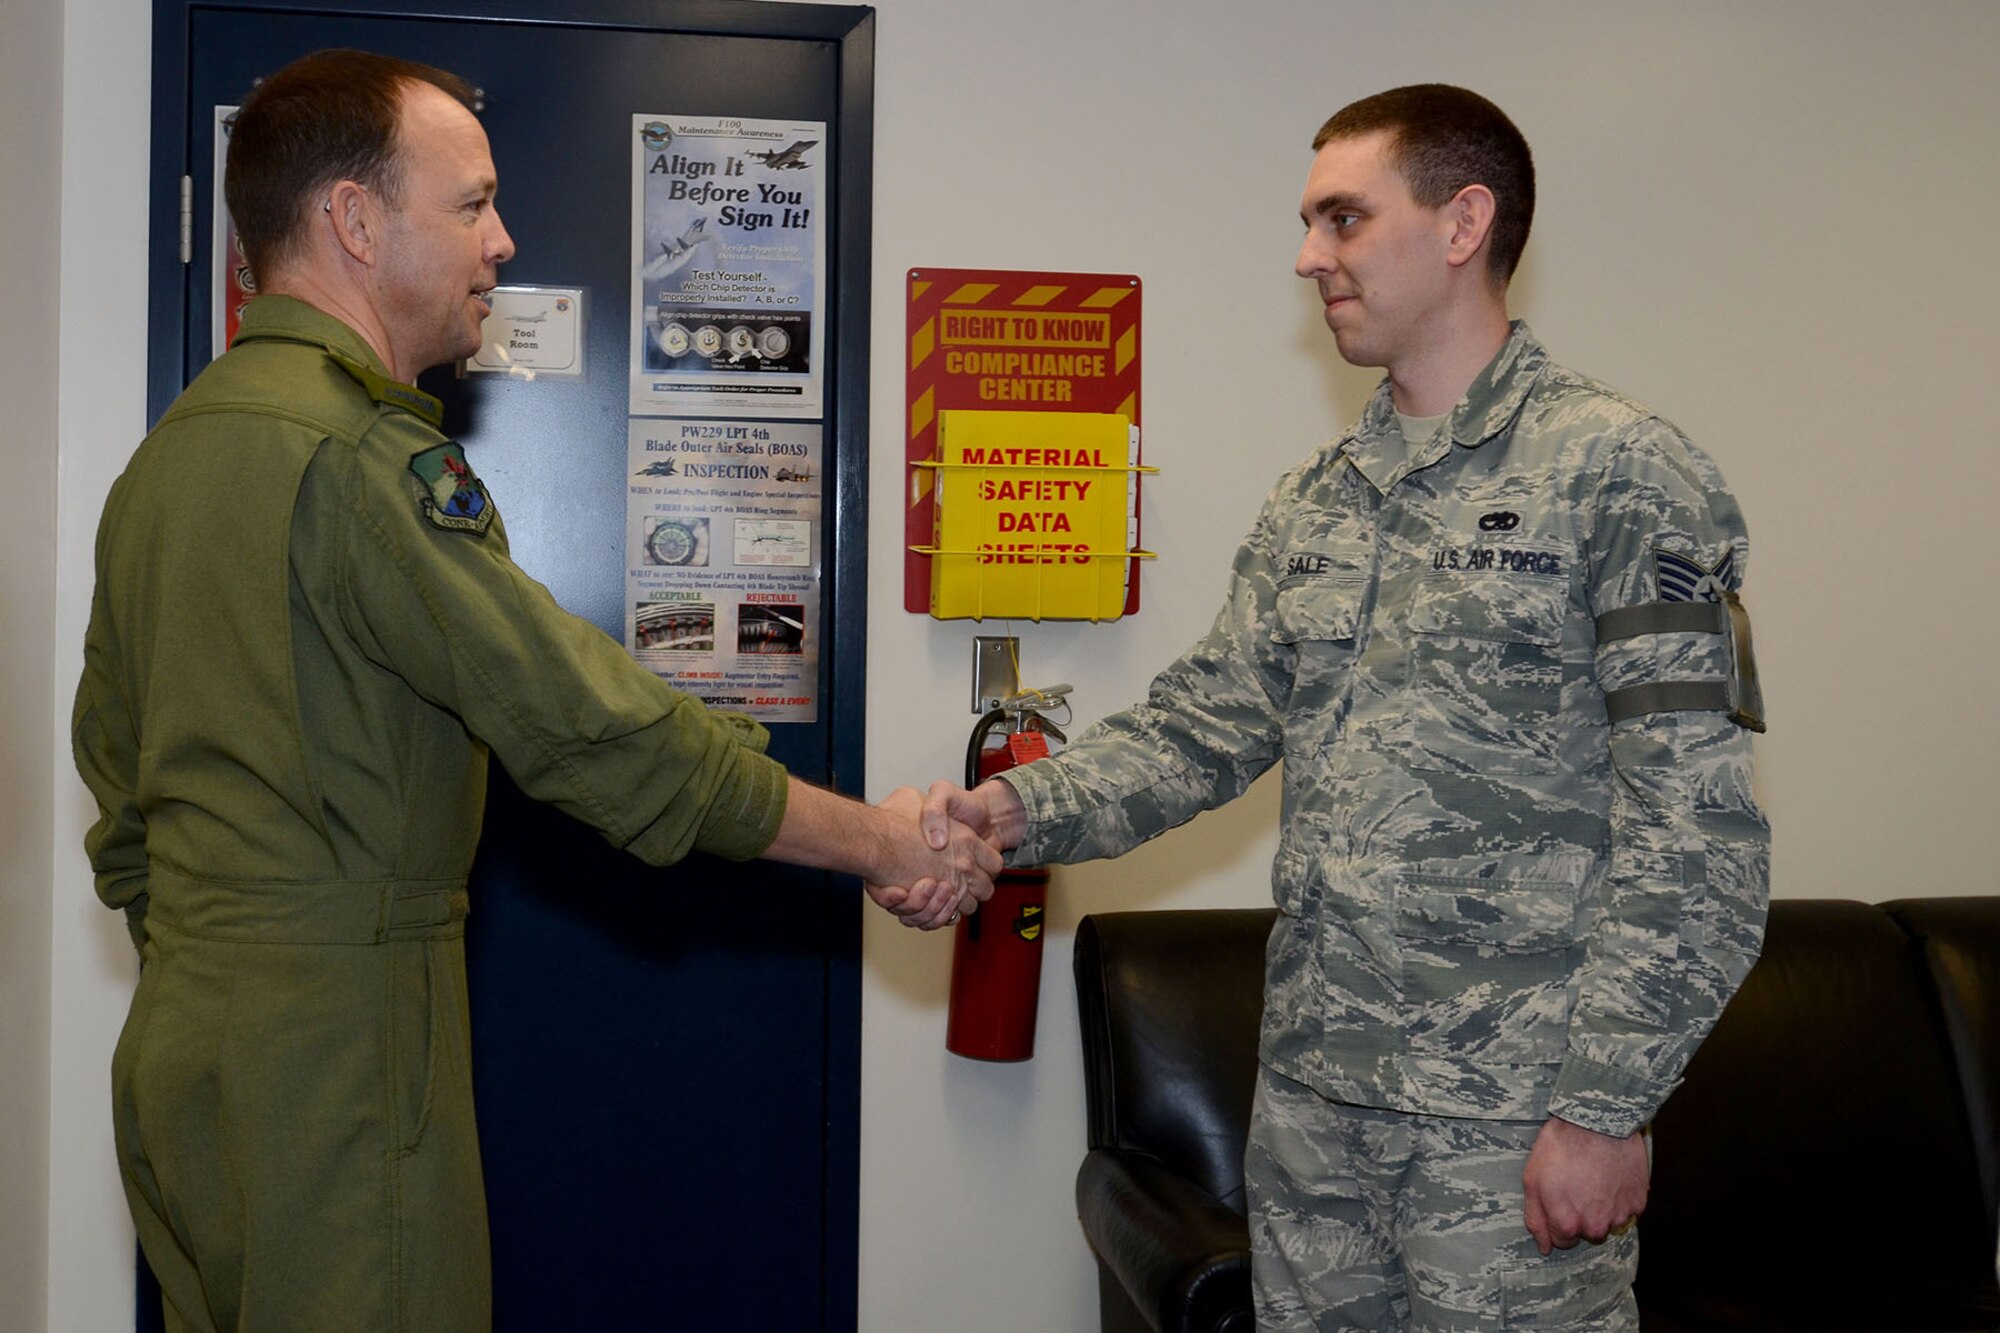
(187, 219)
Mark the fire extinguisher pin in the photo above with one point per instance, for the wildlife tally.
(1033, 700)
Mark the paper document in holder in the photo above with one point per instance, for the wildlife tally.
(1033, 515)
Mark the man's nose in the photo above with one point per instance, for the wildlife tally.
(500, 246)
(1308, 264)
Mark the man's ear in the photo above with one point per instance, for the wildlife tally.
(351, 212)
(1470, 213)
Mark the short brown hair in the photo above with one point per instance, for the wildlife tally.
(324, 118)
(1442, 139)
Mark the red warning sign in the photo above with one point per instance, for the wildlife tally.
(997, 340)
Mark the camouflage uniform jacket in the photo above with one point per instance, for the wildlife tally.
(1493, 902)
(307, 632)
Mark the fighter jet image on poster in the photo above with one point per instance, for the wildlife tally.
(675, 253)
(793, 158)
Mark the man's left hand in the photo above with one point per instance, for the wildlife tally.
(1582, 1185)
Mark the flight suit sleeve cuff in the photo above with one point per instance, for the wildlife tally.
(744, 818)
(1604, 1098)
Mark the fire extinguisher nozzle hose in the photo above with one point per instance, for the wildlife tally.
(980, 730)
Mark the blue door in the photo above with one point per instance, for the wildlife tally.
(667, 1061)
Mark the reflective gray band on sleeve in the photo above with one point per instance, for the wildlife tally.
(1629, 622)
(1668, 696)
(1738, 696)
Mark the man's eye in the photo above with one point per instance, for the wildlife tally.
(1342, 221)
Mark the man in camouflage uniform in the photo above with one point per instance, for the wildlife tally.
(1489, 631)
(306, 635)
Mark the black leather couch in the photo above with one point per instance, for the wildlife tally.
(1832, 1161)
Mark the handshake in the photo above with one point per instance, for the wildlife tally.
(937, 853)
(925, 858)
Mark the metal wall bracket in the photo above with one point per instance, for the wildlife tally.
(996, 670)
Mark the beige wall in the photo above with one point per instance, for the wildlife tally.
(1760, 218)
(101, 406)
(30, 84)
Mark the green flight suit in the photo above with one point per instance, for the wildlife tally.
(306, 635)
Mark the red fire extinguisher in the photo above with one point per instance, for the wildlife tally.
(996, 959)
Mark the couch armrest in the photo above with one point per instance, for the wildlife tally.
(1961, 943)
(1182, 1257)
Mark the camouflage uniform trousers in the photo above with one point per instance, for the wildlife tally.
(1363, 1218)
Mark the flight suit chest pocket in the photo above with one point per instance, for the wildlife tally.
(1487, 669)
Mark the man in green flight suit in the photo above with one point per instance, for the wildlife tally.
(306, 636)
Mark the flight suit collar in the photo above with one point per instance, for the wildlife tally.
(288, 319)
(1376, 448)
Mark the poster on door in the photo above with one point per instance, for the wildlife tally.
(723, 561)
(230, 286)
(728, 266)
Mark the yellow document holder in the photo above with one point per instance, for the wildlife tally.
(1036, 515)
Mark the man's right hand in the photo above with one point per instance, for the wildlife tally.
(991, 815)
(993, 810)
(948, 870)
(925, 881)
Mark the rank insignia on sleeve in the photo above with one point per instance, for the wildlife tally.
(1683, 579)
(452, 497)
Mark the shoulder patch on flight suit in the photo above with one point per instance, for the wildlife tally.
(1682, 579)
(452, 498)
